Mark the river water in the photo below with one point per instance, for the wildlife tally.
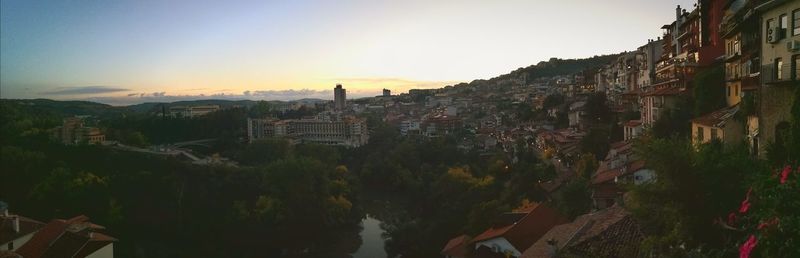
(372, 241)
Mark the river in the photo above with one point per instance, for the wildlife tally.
(372, 241)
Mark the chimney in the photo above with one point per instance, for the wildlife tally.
(15, 224)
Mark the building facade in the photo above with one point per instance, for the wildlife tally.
(339, 98)
(780, 68)
(350, 132)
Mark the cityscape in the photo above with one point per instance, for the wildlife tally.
(686, 144)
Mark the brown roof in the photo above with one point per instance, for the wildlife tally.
(717, 118)
(26, 226)
(633, 123)
(666, 92)
(457, 247)
(527, 230)
(605, 233)
(75, 237)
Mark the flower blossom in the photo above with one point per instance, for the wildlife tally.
(747, 247)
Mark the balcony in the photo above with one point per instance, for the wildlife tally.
(770, 74)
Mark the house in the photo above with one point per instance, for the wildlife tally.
(515, 231)
(75, 237)
(719, 125)
(619, 166)
(610, 232)
(632, 129)
(780, 68)
(15, 230)
(458, 247)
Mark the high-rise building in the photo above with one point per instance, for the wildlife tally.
(387, 93)
(339, 97)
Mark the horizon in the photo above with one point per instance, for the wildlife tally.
(125, 53)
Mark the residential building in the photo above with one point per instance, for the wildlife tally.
(609, 232)
(15, 230)
(75, 237)
(513, 232)
(655, 102)
(348, 131)
(192, 111)
(339, 98)
(619, 166)
(632, 129)
(780, 68)
(718, 125)
(386, 93)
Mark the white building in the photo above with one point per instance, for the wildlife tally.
(192, 111)
(349, 131)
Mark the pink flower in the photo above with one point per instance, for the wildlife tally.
(746, 203)
(785, 173)
(745, 206)
(747, 247)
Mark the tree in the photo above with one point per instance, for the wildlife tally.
(596, 142)
(260, 109)
(575, 199)
(694, 188)
(709, 90)
(674, 121)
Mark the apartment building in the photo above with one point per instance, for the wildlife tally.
(192, 111)
(348, 131)
(780, 68)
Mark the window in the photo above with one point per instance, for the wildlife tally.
(796, 22)
(784, 25)
(713, 133)
(728, 91)
(700, 133)
(778, 69)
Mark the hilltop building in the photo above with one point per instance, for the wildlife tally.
(387, 92)
(339, 98)
(73, 131)
(192, 111)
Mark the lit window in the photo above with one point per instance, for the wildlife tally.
(713, 133)
(778, 69)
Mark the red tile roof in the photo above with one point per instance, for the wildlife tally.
(527, 230)
(26, 226)
(605, 233)
(633, 123)
(666, 92)
(457, 247)
(66, 238)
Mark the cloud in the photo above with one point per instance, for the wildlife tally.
(159, 94)
(83, 90)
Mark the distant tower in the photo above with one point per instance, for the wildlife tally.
(339, 97)
(387, 93)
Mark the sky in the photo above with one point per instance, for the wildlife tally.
(123, 52)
